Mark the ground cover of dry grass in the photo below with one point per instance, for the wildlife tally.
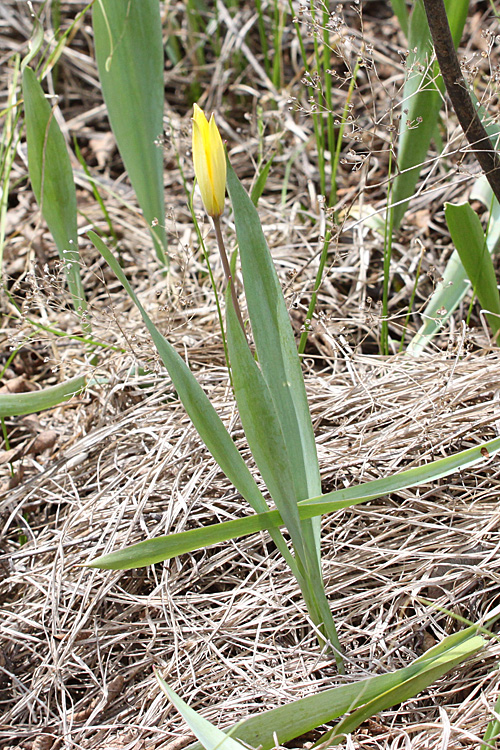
(226, 626)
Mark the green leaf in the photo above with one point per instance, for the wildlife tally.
(281, 370)
(16, 404)
(165, 547)
(422, 100)
(455, 284)
(129, 52)
(262, 427)
(193, 397)
(52, 181)
(285, 723)
(274, 340)
(468, 237)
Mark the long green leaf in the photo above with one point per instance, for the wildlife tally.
(274, 340)
(262, 427)
(422, 100)
(369, 696)
(265, 438)
(194, 399)
(455, 284)
(16, 404)
(165, 547)
(52, 181)
(469, 240)
(281, 369)
(129, 52)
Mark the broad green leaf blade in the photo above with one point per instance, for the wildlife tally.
(194, 399)
(16, 404)
(381, 691)
(129, 52)
(262, 427)
(52, 180)
(422, 100)
(209, 736)
(274, 340)
(166, 547)
(468, 237)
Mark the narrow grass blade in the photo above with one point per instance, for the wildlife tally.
(482, 192)
(129, 52)
(165, 547)
(468, 237)
(260, 182)
(274, 340)
(52, 181)
(195, 401)
(422, 100)
(492, 733)
(9, 142)
(285, 723)
(209, 736)
(17, 404)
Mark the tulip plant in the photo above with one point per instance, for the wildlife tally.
(271, 398)
(270, 395)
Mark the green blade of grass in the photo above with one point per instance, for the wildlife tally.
(129, 52)
(17, 404)
(422, 100)
(285, 723)
(448, 295)
(469, 240)
(194, 399)
(165, 547)
(490, 738)
(52, 181)
(260, 182)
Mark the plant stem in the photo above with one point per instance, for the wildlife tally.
(457, 89)
(227, 270)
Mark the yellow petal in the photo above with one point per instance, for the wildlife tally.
(209, 162)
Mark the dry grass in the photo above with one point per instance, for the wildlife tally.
(226, 626)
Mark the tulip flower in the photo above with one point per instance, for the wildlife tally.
(209, 162)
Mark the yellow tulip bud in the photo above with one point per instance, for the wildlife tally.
(209, 162)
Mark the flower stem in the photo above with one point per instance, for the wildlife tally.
(227, 269)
